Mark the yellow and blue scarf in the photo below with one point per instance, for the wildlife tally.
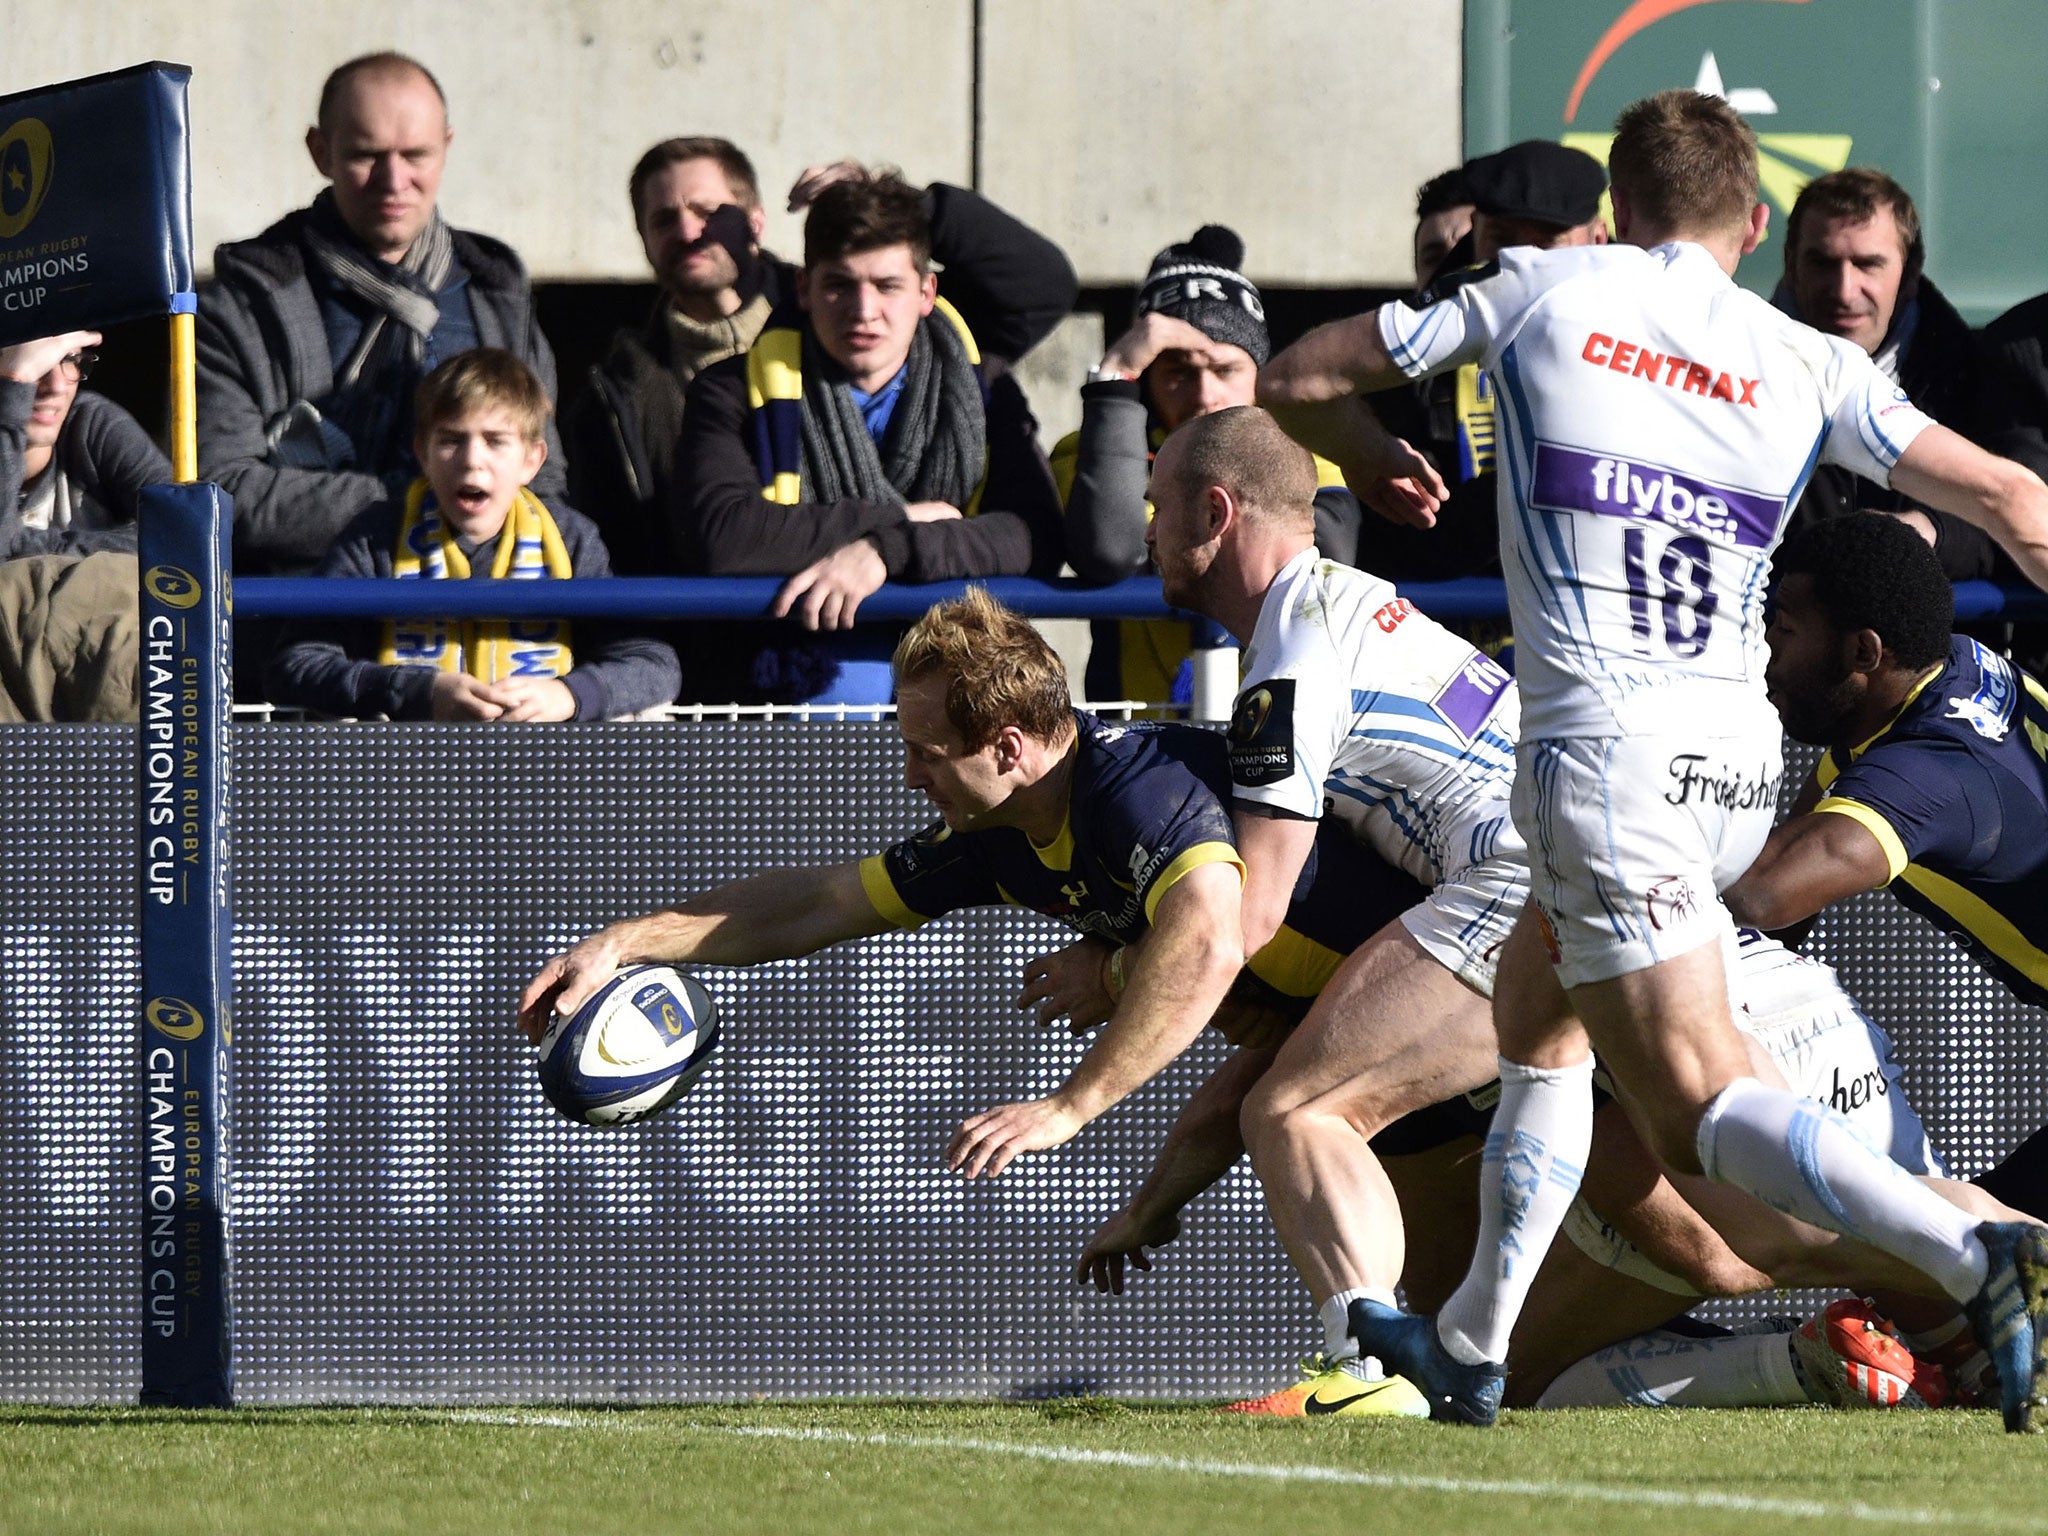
(530, 548)
(776, 401)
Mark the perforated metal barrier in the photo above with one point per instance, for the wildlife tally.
(412, 1223)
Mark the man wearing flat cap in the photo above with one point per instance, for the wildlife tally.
(1534, 193)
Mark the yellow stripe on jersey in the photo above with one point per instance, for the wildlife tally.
(2036, 737)
(1059, 853)
(1189, 859)
(1984, 924)
(1894, 850)
(874, 879)
(1295, 964)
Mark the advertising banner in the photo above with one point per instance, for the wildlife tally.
(1929, 94)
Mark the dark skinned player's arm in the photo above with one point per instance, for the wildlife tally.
(1204, 1142)
(1201, 1148)
(1810, 861)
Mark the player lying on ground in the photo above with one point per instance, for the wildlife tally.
(1115, 830)
(1657, 422)
(1594, 1330)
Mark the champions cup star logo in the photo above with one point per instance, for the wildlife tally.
(175, 1017)
(1786, 162)
(173, 585)
(26, 160)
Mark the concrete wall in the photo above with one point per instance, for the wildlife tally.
(1115, 126)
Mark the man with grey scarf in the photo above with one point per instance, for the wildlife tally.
(313, 336)
(872, 432)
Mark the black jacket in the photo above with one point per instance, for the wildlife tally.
(262, 346)
(1937, 371)
(623, 425)
(105, 455)
(1012, 286)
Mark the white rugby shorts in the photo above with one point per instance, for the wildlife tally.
(1631, 838)
(1464, 922)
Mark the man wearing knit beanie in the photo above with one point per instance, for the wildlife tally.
(1195, 346)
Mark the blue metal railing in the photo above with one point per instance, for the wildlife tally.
(748, 597)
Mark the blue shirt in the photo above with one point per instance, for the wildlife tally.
(1955, 789)
(876, 409)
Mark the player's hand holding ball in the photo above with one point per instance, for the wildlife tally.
(567, 982)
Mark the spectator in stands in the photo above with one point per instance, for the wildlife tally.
(2011, 385)
(1536, 193)
(481, 439)
(1853, 259)
(70, 637)
(314, 335)
(1196, 346)
(697, 205)
(873, 430)
(72, 463)
(1443, 218)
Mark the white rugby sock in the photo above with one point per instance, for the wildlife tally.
(1535, 1156)
(1339, 1346)
(1798, 1157)
(1658, 1369)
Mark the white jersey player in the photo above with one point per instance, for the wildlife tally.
(1356, 702)
(1353, 702)
(1638, 511)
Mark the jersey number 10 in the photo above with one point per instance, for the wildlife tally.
(1684, 593)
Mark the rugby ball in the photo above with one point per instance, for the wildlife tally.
(634, 1048)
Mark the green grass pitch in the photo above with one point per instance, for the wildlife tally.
(989, 1470)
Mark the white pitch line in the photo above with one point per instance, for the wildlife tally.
(1805, 1509)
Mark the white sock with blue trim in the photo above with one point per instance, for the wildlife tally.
(1659, 1369)
(1801, 1158)
(1535, 1157)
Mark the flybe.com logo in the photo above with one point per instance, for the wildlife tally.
(25, 162)
(1786, 162)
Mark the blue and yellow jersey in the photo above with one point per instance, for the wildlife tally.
(1955, 789)
(1147, 803)
(1140, 815)
(1148, 658)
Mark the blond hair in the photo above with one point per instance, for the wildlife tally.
(486, 378)
(1685, 163)
(998, 670)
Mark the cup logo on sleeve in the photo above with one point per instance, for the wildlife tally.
(1262, 734)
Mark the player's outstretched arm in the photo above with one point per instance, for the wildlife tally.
(1203, 1145)
(1808, 863)
(1176, 979)
(1342, 357)
(1946, 471)
(1312, 387)
(773, 916)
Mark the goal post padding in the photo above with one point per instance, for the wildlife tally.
(186, 930)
